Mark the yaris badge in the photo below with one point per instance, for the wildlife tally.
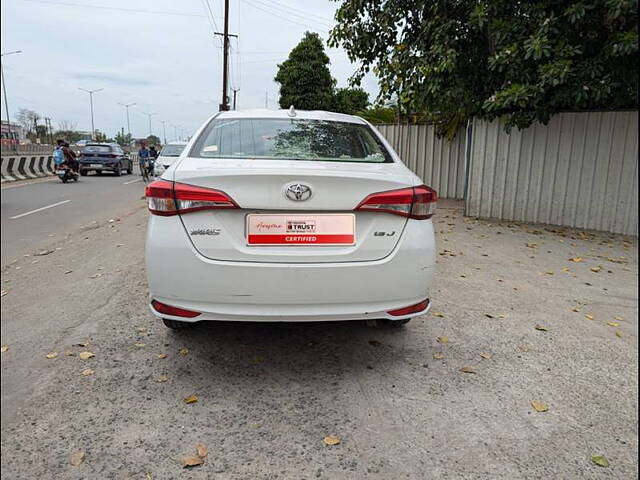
(298, 192)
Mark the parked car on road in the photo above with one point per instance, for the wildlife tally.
(289, 216)
(168, 154)
(104, 157)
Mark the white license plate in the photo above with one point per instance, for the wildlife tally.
(98, 165)
(301, 229)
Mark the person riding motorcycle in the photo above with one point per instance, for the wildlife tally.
(70, 157)
(143, 160)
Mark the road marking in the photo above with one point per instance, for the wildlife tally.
(132, 181)
(39, 209)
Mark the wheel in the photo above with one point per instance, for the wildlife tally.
(98, 172)
(118, 171)
(177, 324)
(83, 173)
(64, 179)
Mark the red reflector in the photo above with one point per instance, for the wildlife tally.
(175, 311)
(418, 307)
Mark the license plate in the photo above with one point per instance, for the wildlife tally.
(301, 229)
(99, 165)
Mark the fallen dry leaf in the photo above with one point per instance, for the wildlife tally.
(141, 329)
(3, 293)
(87, 371)
(77, 458)
(596, 269)
(439, 356)
(161, 378)
(96, 275)
(532, 245)
(331, 440)
(68, 353)
(140, 345)
(86, 355)
(488, 315)
(588, 316)
(600, 460)
(468, 370)
(4, 348)
(162, 355)
(191, 399)
(52, 355)
(192, 461)
(575, 309)
(443, 339)
(486, 355)
(539, 406)
(618, 318)
(202, 451)
(184, 351)
(438, 314)
(575, 259)
(618, 334)
(541, 328)
(613, 324)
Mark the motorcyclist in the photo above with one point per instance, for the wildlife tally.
(143, 160)
(70, 157)
(153, 156)
(58, 153)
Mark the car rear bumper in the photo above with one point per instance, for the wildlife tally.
(287, 292)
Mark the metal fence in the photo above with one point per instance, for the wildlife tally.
(438, 162)
(580, 170)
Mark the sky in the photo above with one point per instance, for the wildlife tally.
(160, 54)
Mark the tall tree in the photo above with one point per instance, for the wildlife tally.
(304, 78)
(527, 60)
(350, 100)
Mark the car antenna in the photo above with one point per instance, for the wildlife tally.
(292, 111)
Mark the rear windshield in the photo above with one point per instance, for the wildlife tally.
(96, 149)
(171, 150)
(290, 139)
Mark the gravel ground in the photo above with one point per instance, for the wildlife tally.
(268, 394)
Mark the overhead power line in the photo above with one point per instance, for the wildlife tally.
(269, 12)
(287, 10)
(102, 7)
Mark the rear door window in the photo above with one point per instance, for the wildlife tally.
(97, 149)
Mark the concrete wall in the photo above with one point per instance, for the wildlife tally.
(580, 170)
(438, 162)
(21, 167)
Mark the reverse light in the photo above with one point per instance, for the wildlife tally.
(418, 307)
(168, 198)
(413, 202)
(174, 311)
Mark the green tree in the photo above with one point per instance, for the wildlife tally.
(350, 100)
(70, 136)
(153, 140)
(123, 138)
(304, 78)
(379, 114)
(102, 137)
(454, 59)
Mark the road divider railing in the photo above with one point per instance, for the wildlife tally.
(23, 167)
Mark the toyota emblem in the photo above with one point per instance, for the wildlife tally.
(298, 192)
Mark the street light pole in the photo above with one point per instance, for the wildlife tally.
(91, 92)
(149, 115)
(4, 90)
(126, 106)
(164, 131)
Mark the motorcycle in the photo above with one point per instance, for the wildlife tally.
(65, 173)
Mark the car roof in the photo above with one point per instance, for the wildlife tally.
(299, 114)
(175, 143)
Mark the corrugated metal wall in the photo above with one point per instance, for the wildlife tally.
(439, 163)
(580, 170)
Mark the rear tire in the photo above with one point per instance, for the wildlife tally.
(83, 173)
(177, 324)
(118, 171)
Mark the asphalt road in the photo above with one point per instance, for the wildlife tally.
(508, 304)
(34, 211)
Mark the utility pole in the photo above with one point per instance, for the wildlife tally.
(91, 92)
(266, 99)
(235, 91)
(149, 115)
(4, 91)
(175, 132)
(224, 106)
(127, 105)
(164, 132)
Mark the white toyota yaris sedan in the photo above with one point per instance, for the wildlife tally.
(289, 216)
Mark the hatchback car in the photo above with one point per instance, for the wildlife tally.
(168, 154)
(289, 216)
(104, 157)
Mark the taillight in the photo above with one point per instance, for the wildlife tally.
(418, 307)
(413, 202)
(170, 310)
(168, 198)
